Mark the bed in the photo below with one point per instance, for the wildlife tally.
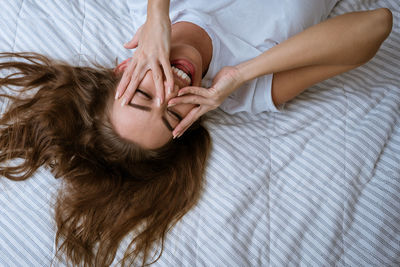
(318, 184)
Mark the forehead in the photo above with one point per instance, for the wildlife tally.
(139, 126)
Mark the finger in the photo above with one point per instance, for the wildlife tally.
(157, 77)
(125, 80)
(133, 43)
(190, 99)
(118, 69)
(131, 89)
(124, 66)
(195, 90)
(168, 75)
(189, 119)
(121, 67)
(126, 61)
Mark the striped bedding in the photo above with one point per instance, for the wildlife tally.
(318, 184)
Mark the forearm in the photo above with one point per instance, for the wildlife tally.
(349, 39)
(157, 8)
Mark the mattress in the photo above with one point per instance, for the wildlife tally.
(318, 184)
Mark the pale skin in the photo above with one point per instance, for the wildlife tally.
(318, 53)
(152, 41)
(322, 51)
(147, 125)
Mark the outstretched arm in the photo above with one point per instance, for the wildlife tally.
(318, 53)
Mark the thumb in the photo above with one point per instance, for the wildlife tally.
(133, 43)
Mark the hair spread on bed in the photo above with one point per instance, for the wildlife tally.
(59, 118)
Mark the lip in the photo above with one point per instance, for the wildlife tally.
(186, 65)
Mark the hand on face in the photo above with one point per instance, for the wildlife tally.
(188, 60)
(143, 121)
(225, 82)
(152, 41)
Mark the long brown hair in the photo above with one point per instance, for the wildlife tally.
(59, 118)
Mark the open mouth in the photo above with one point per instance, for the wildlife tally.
(182, 75)
(184, 70)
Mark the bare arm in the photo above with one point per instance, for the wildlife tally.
(321, 51)
(318, 53)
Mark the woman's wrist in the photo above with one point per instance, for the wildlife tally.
(237, 76)
(156, 8)
(256, 67)
(244, 73)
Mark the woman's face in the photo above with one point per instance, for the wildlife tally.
(142, 120)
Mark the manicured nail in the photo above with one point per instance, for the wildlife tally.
(171, 104)
(123, 102)
(158, 101)
(117, 95)
(180, 93)
(169, 90)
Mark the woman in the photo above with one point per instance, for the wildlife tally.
(113, 185)
(318, 53)
(61, 120)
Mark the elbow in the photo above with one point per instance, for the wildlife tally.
(380, 26)
(384, 22)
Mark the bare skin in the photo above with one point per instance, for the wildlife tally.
(142, 120)
(322, 51)
(152, 42)
(318, 53)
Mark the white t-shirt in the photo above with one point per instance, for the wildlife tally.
(242, 30)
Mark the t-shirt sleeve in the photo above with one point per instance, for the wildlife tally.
(229, 50)
(254, 96)
(234, 43)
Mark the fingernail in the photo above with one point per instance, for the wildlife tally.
(169, 89)
(180, 93)
(123, 102)
(171, 104)
(117, 95)
(158, 102)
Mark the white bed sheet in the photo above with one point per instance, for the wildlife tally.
(318, 184)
